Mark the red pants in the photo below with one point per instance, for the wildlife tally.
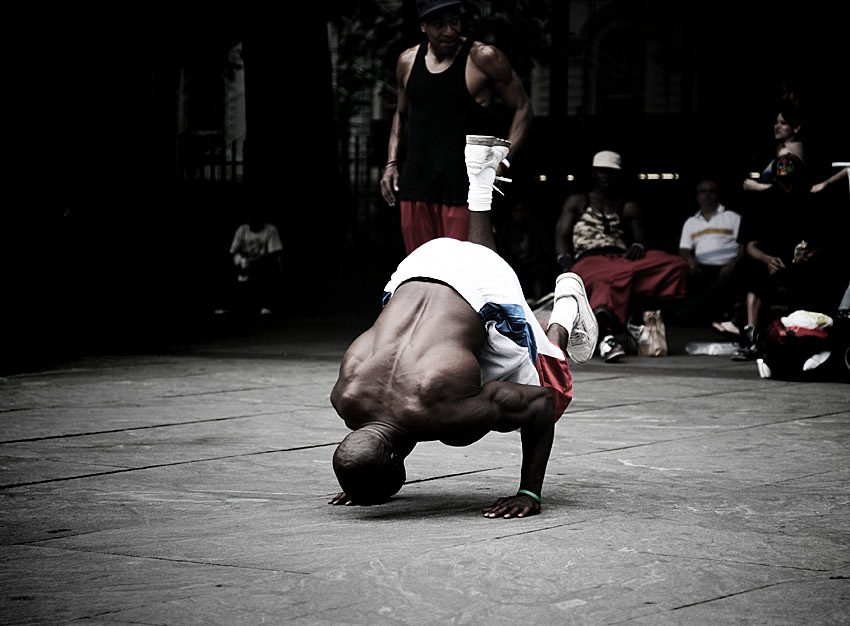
(611, 281)
(424, 221)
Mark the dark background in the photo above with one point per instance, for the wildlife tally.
(103, 248)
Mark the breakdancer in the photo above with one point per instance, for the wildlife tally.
(455, 354)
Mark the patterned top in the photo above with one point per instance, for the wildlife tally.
(596, 231)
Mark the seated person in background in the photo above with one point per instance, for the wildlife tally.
(257, 258)
(791, 260)
(523, 242)
(786, 131)
(591, 229)
(709, 243)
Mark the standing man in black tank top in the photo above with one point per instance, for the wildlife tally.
(445, 86)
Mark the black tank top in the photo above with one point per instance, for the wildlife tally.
(441, 112)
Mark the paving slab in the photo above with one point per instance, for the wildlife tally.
(188, 484)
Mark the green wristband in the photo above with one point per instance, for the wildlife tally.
(529, 493)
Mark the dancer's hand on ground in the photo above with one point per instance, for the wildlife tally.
(341, 498)
(519, 505)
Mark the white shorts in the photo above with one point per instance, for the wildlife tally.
(515, 339)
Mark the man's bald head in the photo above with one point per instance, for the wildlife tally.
(367, 468)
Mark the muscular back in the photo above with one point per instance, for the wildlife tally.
(417, 359)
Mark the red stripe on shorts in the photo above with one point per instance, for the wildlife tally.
(555, 375)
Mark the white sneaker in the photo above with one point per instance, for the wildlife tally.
(484, 151)
(610, 350)
(483, 154)
(585, 332)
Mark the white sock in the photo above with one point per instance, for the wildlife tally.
(480, 198)
(564, 312)
(481, 179)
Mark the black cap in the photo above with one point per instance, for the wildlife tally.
(427, 8)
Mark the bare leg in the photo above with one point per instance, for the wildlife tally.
(558, 335)
(753, 309)
(747, 350)
(481, 229)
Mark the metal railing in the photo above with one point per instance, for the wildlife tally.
(206, 156)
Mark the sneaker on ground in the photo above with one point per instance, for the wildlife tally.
(610, 350)
(748, 350)
(746, 353)
(585, 332)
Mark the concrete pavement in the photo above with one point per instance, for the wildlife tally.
(189, 485)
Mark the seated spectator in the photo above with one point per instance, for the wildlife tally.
(256, 253)
(616, 267)
(786, 131)
(523, 243)
(792, 263)
(709, 243)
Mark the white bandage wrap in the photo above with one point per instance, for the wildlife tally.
(480, 197)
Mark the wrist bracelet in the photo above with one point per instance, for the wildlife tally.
(391, 163)
(529, 493)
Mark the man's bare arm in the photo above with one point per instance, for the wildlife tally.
(688, 255)
(538, 432)
(398, 131)
(564, 226)
(515, 98)
(502, 78)
(632, 215)
(506, 407)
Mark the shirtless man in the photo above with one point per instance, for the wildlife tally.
(445, 86)
(457, 353)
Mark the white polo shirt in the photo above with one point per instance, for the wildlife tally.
(714, 241)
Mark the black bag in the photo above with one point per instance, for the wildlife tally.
(787, 350)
